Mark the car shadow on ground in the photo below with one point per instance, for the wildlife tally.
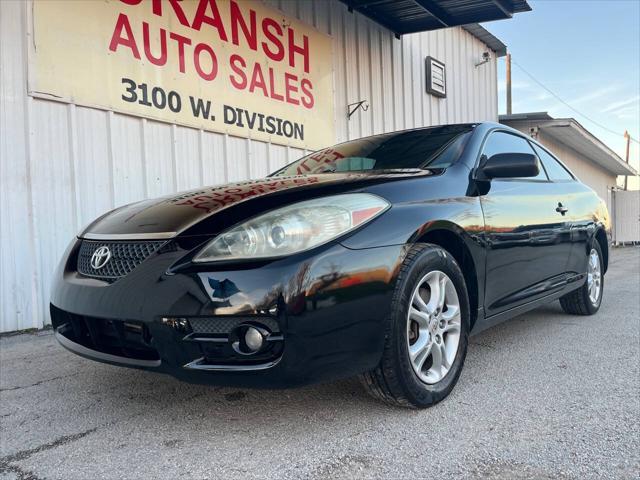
(151, 390)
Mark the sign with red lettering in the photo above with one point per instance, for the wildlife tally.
(232, 66)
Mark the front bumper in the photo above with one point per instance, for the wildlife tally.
(325, 309)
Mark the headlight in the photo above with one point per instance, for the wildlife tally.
(294, 228)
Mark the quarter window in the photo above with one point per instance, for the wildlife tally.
(502, 142)
(554, 168)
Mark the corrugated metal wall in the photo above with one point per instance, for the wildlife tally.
(63, 165)
(626, 216)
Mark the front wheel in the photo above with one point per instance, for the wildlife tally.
(427, 332)
(586, 300)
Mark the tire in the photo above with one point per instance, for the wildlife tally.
(580, 301)
(398, 380)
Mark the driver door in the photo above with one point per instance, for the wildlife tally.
(528, 240)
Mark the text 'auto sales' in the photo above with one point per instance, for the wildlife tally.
(237, 26)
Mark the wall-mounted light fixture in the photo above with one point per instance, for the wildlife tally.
(486, 58)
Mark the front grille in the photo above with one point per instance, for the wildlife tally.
(125, 257)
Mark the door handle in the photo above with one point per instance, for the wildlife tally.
(560, 209)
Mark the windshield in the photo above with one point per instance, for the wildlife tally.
(436, 147)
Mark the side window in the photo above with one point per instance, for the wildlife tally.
(555, 170)
(502, 142)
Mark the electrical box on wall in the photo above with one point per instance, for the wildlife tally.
(436, 77)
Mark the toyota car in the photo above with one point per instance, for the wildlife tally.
(377, 257)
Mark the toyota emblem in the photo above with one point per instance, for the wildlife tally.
(100, 257)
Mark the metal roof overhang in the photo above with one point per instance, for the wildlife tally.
(570, 133)
(410, 16)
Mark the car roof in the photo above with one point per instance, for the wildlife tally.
(485, 126)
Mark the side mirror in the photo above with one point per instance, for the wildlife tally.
(511, 165)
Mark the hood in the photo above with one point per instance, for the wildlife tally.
(190, 212)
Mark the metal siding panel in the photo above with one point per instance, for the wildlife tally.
(52, 189)
(450, 63)
(416, 75)
(627, 216)
(277, 157)
(398, 83)
(494, 89)
(440, 53)
(214, 167)
(474, 78)
(377, 111)
(363, 26)
(237, 158)
(290, 7)
(436, 102)
(158, 157)
(305, 11)
(407, 82)
(294, 153)
(387, 81)
(126, 145)
(431, 107)
(455, 69)
(486, 70)
(93, 172)
(478, 74)
(258, 159)
(339, 72)
(464, 81)
(467, 58)
(426, 100)
(18, 294)
(489, 97)
(481, 74)
(351, 73)
(322, 16)
(187, 158)
(457, 75)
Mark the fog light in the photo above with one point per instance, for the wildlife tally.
(253, 339)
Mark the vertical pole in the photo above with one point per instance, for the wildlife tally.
(628, 138)
(508, 84)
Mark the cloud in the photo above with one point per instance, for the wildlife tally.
(622, 105)
(502, 85)
(626, 113)
(544, 95)
(594, 95)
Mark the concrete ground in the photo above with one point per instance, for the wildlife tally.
(546, 395)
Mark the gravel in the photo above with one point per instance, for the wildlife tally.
(545, 395)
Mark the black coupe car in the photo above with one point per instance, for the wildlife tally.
(376, 257)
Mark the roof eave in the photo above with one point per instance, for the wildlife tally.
(607, 158)
(486, 37)
(412, 16)
(615, 164)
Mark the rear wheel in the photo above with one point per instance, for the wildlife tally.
(586, 299)
(427, 332)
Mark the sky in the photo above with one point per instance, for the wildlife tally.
(588, 53)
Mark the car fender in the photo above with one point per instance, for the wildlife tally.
(408, 223)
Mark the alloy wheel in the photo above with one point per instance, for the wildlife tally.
(433, 327)
(594, 277)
